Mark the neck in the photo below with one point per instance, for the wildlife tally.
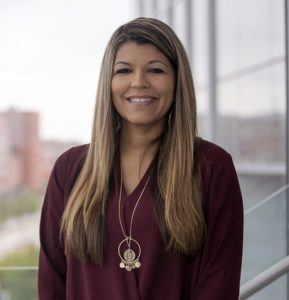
(137, 139)
(137, 150)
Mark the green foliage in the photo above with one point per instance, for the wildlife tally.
(18, 204)
(20, 284)
(27, 256)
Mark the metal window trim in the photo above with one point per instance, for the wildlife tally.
(265, 278)
(286, 16)
(212, 65)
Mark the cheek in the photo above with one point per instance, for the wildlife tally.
(117, 86)
(170, 92)
(113, 88)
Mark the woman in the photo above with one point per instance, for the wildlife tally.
(147, 210)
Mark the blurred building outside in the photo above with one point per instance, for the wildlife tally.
(25, 159)
(26, 162)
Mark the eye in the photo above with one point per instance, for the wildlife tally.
(122, 71)
(156, 70)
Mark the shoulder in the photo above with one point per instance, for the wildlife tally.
(211, 153)
(217, 168)
(72, 156)
(68, 165)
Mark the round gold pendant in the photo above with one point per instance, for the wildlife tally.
(129, 259)
(129, 255)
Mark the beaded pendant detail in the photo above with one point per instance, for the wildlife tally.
(129, 259)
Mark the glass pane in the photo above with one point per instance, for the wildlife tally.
(251, 92)
(162, 10)
(249, 32)
(252, 128)
(200, 43)
(200, 62)
(179, 21)
(265, 236)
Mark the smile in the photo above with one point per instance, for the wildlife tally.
(141, 100)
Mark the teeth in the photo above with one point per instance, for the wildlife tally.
(140, 100)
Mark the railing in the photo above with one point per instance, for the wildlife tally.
(265, 256)
(265, 278)
(265, 250)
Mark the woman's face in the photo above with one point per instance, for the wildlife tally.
(142, 85)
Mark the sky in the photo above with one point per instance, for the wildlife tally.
(50, 55)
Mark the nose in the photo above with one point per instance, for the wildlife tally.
(139, 80)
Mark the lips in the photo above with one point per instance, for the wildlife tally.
(141, 99)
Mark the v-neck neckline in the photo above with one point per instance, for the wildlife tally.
(137, 190)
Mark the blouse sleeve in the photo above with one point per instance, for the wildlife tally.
(52, 261)
(220, 266)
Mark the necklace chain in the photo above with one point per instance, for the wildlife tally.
(134, 209)
(129, 260)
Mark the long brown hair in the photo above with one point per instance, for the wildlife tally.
(178, 175)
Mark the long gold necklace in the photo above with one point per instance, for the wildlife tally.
(129, 258)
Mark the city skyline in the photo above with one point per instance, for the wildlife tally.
(49, 59)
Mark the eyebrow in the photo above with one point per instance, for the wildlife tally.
(150, 62)
(157, 61)
(122, 63)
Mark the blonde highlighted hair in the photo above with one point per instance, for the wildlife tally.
(178, 188)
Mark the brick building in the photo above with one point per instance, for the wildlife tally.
(25, 160)
(19, 150)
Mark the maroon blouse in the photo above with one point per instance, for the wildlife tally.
(213, 274)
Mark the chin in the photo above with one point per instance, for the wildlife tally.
(145, 122)
(140, 123)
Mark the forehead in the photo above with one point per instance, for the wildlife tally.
(130, 51)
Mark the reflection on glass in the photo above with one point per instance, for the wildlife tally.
(252, 127)
(252, 124)
(249, 32)
(265, 240)
(251, 92)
